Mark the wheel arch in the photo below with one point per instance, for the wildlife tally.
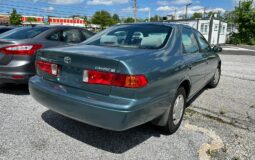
(186, 85)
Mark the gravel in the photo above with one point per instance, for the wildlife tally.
(30, 131)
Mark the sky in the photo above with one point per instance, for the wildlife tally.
(124, 8)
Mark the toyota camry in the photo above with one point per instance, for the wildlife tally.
(127, 75)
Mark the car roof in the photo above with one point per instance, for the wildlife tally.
(171, 24)
(57, 26)
(11, 27)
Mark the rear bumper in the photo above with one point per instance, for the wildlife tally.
(113, 113)
(17, 71)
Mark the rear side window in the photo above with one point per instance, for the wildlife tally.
(189, 42)
(204, 46)
(24, 33)
(2, 30)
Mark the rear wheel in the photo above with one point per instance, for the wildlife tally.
(216, 78)
(176, 112)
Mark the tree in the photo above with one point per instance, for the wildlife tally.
(116, 19)
(229, 17)
(156, 18)
(87, 20)
(15, 18)
(129, 20)
(197, 15)
(102, 18)
(244, 17)
(31, 20)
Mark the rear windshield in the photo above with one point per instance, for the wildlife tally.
(133, 36)
(23, 33)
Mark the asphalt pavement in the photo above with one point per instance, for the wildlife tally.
(219, 124)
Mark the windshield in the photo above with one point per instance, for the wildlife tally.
(23, 33)
(133, 36)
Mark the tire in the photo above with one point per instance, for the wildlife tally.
(174, 121)
(216, 78)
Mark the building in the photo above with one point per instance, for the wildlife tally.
(4, 19)
(214, 30)
(39, 20)
(76, 21)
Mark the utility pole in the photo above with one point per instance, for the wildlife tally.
(149, 16)
(135, 10)
(204, 12)
(175, 15)
(186, 14)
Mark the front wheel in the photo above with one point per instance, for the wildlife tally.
(176, 112)
(216, 78)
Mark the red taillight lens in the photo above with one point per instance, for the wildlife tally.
(114, 79)
(50, 68)
(24, 49)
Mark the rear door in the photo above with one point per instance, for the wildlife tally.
(205, 50)
(194, 60)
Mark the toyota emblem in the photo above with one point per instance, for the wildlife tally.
(67, 60)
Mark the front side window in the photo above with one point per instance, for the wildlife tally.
(23, 33)
(133, 36)
(204, 46)
(189, 42)
(72, 36)
(87, 34)
(68, 36)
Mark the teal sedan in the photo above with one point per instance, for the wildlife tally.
(127, 75)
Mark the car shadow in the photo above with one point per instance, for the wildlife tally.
(15, 89)
(111, 141)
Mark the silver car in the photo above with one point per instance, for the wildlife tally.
(18, 48)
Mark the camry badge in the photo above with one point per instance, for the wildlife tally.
(67, 60)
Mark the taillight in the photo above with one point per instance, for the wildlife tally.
(47, 67)
(23, 49)
(114, 79)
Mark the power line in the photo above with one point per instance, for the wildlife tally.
(4, 7)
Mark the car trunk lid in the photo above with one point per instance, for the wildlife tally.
(72, 66)
(5, 58)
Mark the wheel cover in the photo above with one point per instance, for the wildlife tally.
(216, 76)
(178, 109)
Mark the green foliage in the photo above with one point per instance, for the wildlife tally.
(129, 20)
(116, 19)
(87, 20)
(31, 19)
(245, 19)
(102, 18)
(229, 17)
(197, 15)
(156, 18)
(15, 18)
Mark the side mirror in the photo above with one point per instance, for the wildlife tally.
(217, 49)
